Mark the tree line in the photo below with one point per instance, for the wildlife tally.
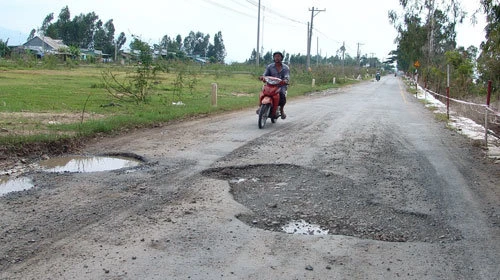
(339, 59)
(427, 34)
(87, 31)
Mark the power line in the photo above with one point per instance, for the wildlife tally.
(228, 8)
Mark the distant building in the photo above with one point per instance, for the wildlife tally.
(86, 54)
(41, 45)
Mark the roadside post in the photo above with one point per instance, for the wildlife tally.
(417, 65)
(448, 91)
(214, 94)
(488, 97)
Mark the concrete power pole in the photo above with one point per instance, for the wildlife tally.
(258, 37)
(314, 12)
(358, 56)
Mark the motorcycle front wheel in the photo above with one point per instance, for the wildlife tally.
(264, 111)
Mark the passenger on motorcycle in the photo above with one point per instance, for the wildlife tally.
(279, 70)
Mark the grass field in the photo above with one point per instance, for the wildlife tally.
(46, 105)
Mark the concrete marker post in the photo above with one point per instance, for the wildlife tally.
(214, 94)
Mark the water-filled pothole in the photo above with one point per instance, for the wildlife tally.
(304, 228)
(8, 185)
(83, 164)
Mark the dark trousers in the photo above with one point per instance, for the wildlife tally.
(282, 99)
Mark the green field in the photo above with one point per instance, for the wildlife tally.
(38, 105)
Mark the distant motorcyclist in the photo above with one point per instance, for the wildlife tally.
(279, 70)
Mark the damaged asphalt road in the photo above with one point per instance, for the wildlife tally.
(395, 194)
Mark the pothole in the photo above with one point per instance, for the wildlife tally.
(8, 184)
(294, 199)
(84, 164)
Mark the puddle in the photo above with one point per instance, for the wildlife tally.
(304, 228)
(83, 164)
(8, 185)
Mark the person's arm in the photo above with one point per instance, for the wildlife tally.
(286, 74)
(267, 72)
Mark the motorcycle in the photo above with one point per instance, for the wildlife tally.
(269, 100)
(377, 76)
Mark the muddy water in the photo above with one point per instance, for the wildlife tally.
(79, 164)
(87, 164)
(302, 227)
(8, 184)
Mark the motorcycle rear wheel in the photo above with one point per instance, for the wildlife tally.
(264, 111)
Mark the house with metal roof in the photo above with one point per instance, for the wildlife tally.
(42, 45)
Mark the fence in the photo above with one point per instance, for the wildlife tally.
(486, 115)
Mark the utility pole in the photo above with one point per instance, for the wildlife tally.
(343, 59)
(258, 37)
(358, 58)
(431, 19)
(317, 51)
(314, 12)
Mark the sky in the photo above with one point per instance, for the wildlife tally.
(356, 23)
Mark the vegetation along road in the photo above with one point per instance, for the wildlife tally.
(372, 184)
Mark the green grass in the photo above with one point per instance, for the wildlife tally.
(75, 102)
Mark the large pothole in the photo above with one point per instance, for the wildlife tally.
(280, 195)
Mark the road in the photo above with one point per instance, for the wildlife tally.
(401, 196)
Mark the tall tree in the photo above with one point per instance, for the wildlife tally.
(488, 62)
(441, 17)
(218, 50)
(411, 40)
(196, 43)
(45, 24)
(83, 31)
(104, 37)
(4, 49)
(32, 34)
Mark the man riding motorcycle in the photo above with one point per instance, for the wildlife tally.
(279, 70)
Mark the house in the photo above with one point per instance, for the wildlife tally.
(41, 45)
(85, 54)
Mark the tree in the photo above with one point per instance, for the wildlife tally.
(104, 37)
(253, 57)
(32, 34)
(426, 40)
(411, 40)
(83, 31)
(120, 41)
(45, 24)
(4, 49)
(219, 50)
(462, 66)
(135, 87)
(488, 62)
(196, 44)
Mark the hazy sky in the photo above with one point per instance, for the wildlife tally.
(283, 22)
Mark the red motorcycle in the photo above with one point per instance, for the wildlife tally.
(269, 99)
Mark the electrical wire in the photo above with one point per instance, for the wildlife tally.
(228, 8)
